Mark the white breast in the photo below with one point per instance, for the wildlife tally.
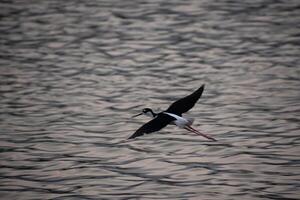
(180, 121)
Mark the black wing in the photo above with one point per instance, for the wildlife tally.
(185, 104)
(155, 124)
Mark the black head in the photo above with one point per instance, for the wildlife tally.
(146, 111)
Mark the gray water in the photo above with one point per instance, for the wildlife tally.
(72, 73)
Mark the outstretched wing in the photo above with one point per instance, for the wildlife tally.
(185, 104)
(155, 124)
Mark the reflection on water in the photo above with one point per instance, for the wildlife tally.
(74, 72)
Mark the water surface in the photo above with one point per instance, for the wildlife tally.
(72, 73)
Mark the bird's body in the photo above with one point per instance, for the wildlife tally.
(173, 115)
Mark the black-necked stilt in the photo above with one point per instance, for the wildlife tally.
(172, 115)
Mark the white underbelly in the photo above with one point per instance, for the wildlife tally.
(180, 121)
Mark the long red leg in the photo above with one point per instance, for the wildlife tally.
(189, 128)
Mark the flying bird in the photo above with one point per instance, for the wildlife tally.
(173, 115)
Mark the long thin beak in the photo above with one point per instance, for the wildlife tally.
(137, 115)
(189, 128)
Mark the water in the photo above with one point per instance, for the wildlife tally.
(72, 73)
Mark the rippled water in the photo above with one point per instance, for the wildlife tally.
(72, 74)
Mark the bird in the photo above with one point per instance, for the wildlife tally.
(173, 115)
